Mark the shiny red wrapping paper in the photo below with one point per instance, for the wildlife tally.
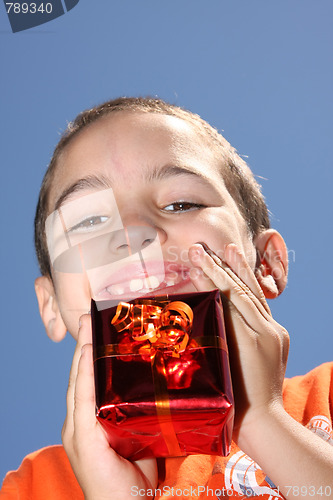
(153, 402)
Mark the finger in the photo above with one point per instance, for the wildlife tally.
(243, 267)
(84, 336)
(200, 280)
(230, 284)
(237, 261)
(239, 265)
(84, 396)
(148, 468)
(272, 339)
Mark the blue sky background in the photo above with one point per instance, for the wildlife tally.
(257, 69)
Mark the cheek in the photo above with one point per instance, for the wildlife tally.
(217, 230)
(203, 228)
(73, 296)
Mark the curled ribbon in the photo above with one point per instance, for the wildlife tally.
(159, 324)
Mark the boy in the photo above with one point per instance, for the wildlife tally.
(165, 169)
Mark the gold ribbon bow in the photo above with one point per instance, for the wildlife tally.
(159, 324)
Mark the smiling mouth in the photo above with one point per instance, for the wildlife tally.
(140, 285)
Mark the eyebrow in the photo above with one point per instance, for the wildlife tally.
(90, 182)
(158, 173)
(150, 175)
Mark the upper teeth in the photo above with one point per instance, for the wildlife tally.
(151, 282)
(144, 285)
(136, 284)
(115, 289)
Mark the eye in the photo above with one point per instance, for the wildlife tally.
(89, 223)
(182, 206)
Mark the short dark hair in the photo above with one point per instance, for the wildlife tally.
(237, 176)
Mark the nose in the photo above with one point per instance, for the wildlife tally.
(109, 248)
(132, 239)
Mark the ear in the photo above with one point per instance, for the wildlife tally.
(49, 310)
(272, 263)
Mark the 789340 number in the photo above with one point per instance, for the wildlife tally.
(309, 491)
(28, 8)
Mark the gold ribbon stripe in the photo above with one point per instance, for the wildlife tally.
(111, 350)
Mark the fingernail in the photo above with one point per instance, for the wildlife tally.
(210, 252)
(195, 252)
(234, 251)
(233, 247)
(84, 349)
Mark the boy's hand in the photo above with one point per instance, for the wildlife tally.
(100, 471)
(258, 345)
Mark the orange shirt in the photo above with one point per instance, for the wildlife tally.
(47, 474)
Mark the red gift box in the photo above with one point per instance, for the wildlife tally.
(162, 378)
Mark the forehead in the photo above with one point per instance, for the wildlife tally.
(123, 145)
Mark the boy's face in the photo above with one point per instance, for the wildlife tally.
(164, 176)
